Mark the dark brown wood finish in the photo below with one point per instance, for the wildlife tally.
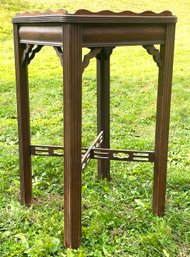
(162, 121)
(96, 35)
(88, 154)
(95, 152)
(23, 111)
(100, 32)
(99, 29)
(122, 13)
(72, 41)
(111, 18)
(103, 106)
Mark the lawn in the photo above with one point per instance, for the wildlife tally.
(117, 218)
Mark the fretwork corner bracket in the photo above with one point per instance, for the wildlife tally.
(98, 52)
(151, 49)
(59, 53)
(93, 53)
(30, 52)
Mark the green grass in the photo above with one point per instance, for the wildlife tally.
(117, 219)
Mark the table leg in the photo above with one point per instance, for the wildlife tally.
(162, 122)
(72, 56)
(103, 106)
(23, 121)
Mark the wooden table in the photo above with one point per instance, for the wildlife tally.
(100, 32)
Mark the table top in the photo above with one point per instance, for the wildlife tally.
(98, 29)
(86, 16)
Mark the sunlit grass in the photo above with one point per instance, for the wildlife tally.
(117, 218)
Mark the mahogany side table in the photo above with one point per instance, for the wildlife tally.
(100, 32)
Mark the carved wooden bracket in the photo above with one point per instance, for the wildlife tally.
(100, 53)
(93, 53)
(59, 53)
(151, 49)
(30, 52)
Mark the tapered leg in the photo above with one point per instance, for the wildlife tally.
(23, 121)
(103, 106)
(72, 56)
(162, 122)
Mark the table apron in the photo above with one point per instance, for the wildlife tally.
(94, 35)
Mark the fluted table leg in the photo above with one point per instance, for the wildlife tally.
(162, 121)
(23, 121)
(72, 55)
(103, 106)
